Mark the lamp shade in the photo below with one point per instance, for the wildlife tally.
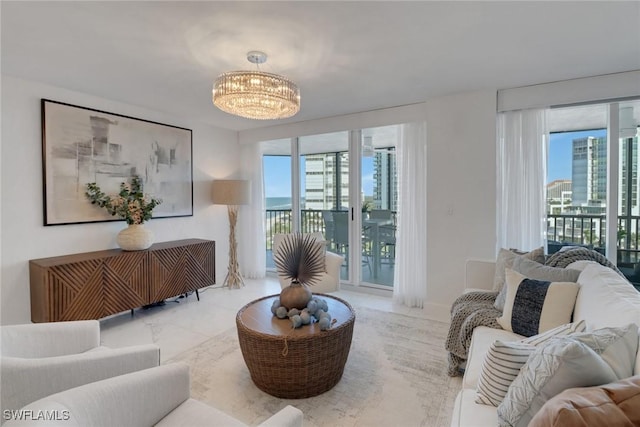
(231, 192)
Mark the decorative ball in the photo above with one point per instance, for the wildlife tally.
(319, 312)
(281, 312)
(312, 306)
(324, 304)
(275, 305)
(293, 312)
(325, 315)
(296, 321)
(305, 317)
(324, 324)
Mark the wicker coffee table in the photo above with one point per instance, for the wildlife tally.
(294, 363)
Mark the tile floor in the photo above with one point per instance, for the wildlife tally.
(179, 326)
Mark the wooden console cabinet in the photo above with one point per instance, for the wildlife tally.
(97, 284)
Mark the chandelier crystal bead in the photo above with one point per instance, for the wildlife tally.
(256, 94)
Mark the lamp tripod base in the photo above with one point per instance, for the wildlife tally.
(234, 278)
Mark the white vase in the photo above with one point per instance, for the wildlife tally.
(135, 238)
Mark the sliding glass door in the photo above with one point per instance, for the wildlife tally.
(333, 176)
(379, 196)
(324, 190)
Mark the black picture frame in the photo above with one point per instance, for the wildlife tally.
(82, 145)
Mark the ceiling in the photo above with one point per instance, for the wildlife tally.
(346, 57)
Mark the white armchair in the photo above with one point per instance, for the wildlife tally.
(330, 280)
(157, 396)
(44, 358)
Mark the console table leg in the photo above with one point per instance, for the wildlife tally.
(197, 295)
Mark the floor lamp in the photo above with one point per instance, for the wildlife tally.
(232, 192)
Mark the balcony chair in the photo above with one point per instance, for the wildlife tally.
(157, 396)
(45, 358)
(327, 219)
(341, 238)
(330, 279)
(387, 234)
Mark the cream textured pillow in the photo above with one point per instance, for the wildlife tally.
(504, 359)
(535, 306)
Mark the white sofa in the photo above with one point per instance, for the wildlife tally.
(157, 396)
(329, 281)
(604, 299)
(45, 358)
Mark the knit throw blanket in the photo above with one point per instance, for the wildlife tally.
(468, 311)
(564, 258)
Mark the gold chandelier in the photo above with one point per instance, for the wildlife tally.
(256, 94)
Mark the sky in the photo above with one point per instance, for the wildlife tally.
(559, 156)
(277, 176)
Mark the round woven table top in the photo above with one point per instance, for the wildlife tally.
(257, 317)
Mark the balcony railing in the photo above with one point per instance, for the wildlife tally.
(280, 221)
(591, 231)
(378, 252)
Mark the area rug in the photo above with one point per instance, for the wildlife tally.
(396, 375)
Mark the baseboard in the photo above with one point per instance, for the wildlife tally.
(367, 290)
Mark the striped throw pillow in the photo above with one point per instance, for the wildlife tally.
(504, 359)
(535, 306)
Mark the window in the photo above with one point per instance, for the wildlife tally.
(578, 181)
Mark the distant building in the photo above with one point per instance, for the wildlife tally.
(589, 174)
(385, 180)
(559, 196)
(558, 189)
(629, 188)
(326, 181)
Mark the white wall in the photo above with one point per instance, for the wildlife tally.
(461, 191)
(23, 236)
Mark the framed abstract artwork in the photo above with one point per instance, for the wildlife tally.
(82, 145)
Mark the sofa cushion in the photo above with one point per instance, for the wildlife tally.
(467, 413)
(602, 287)
(534, 306)
(505, 260)
(614, 404)
(195, 413)
(503, 361)
(636, 370)
(482, 339)
(580, 360)
(535, 270)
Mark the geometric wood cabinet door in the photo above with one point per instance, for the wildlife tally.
(97, 284)
(177, 269)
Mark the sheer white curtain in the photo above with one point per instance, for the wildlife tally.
(521, 151)
(252, 248)
(410, 277)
